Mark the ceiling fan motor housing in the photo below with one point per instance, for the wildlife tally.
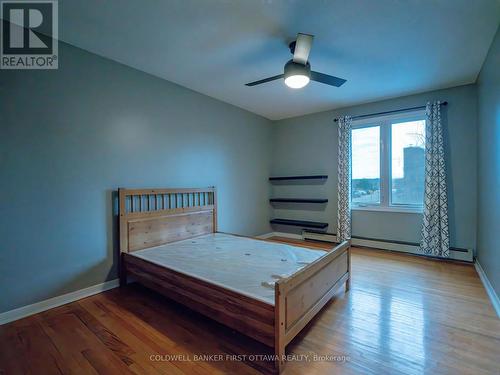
(293, 69)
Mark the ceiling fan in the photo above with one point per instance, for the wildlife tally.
(297, 71)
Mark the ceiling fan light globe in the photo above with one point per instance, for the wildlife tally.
(297, 75)
(297, 81)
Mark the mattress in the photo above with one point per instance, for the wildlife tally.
(244, 265)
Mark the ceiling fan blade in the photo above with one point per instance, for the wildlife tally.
(329, 80)
(302, 48)
(264, 80)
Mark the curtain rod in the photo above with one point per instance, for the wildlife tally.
(387, 112)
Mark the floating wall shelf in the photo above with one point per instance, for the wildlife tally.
(300, 223)
(317, 177)
(297, 200)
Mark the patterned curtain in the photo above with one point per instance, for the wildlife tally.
(435, 236)
(344, 175)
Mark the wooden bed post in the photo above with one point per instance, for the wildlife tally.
(123, 237)
(279, 327)
(122, 272)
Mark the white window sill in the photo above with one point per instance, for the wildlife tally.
(408, 210)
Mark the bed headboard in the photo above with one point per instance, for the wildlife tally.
(153, 217)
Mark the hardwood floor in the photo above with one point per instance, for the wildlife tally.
(403, 315)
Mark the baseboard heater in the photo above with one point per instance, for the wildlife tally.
(393, 245)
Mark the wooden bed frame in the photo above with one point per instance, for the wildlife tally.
(153, 217)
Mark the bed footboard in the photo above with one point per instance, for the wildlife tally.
(299, 297)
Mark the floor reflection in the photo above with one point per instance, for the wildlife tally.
(391, 328)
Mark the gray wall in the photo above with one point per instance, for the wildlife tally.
(69, 137)
(308, 145)
(488, 217)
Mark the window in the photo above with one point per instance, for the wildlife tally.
(388, 157)
(407, 162)
(366, 165)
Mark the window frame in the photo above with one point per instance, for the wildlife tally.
(385, 122)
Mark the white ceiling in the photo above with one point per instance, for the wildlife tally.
(384, 48)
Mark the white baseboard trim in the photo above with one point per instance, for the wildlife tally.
(22, 312)
(410, 249)
(265, 235)
(326, 237)
(280, 234)
(466, 256)
(495, 301)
